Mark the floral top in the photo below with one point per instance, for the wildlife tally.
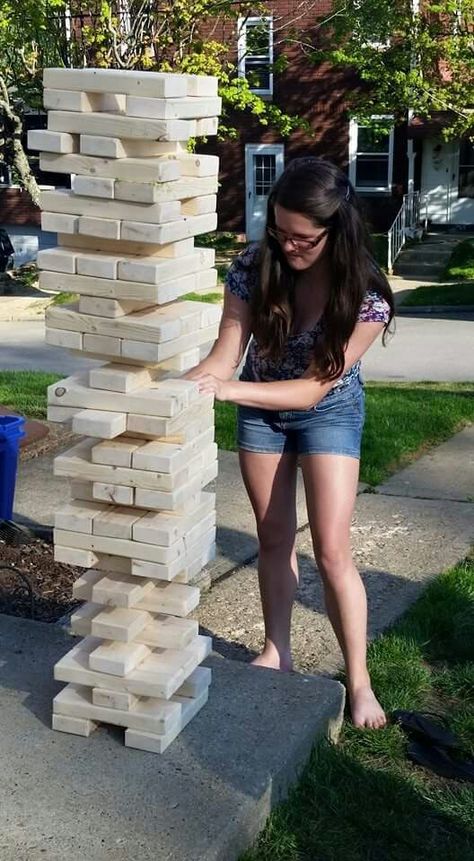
(241, 280)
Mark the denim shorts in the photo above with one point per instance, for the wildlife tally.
(333, 426)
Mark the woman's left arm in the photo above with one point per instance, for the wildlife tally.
(300, 394)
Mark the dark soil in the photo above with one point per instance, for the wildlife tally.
(44, 592)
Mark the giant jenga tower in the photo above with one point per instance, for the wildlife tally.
(139, 520)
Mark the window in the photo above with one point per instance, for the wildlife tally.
(370, 157)
(255, 54)
(466, 169)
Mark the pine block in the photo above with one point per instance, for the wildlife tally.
(115, 148)
(73, 725)
(194, 164)
(119, 624)
(196, 683)
(123, 249)
(110, 589)
(106, 228)
(60, 414)
(105, 347)
(99, 423)
(156, 743)
(199, 205)
(59, 222)
(161, 169)
(169, 109)
(52, 142)
(160, 398)
(120, 546)
(155, 426)
(169, 457)
(57, 260)
(165, 529)
(119, 378)
(63, 338)
(204, 128)
(156, 84)
(172, 232)
(110, 125)
(74, 556)
(180, 189)
(115, 452)
(113, 309)
(64, 200)
(114, 699)
(78, 516)
(76, 701)
(126, 625)
(117, 493)
(75, 100)
(94, 186)
(156, 353)
(118, 659)
(116, 522)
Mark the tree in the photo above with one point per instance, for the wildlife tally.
(409, 56)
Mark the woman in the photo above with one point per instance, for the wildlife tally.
(313, 300)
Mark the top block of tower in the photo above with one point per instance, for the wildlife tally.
(159, 85)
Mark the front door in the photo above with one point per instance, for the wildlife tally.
(263, 165)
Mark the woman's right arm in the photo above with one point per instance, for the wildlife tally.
(231, 343)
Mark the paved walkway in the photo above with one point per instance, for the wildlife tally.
(208, 796)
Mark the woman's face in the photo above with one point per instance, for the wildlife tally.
(300, 240)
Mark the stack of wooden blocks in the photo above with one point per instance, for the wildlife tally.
(139, 520)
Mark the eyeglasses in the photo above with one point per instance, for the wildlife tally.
(298, 244)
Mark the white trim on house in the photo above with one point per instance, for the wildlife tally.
(243, 55)
(257, 185)
(354, 152)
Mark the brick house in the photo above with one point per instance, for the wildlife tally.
(414, 158)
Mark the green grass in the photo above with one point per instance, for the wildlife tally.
(362, 800)
(25, 391)
(225, 242)
(213, 298)
(402, 421)
(442, 294)
(461, 263)
(64, 298)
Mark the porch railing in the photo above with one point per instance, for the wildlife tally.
(412, 218)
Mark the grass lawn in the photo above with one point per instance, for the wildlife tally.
(461, 263)
(442, 294)
(362, 800)
(403, 419)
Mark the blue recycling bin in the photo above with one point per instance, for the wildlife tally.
(11, 432)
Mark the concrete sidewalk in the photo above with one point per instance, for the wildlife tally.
(208, 796)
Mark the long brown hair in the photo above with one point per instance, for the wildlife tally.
(320, 191)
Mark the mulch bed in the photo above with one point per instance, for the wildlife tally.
(50, 582)
(44, 592)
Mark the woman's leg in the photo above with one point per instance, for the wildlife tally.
(331, 487)
(270, 480)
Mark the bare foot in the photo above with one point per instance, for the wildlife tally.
(273, 660)
(366, 709)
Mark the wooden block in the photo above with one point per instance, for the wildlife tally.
(54, 142)
(63, 338)
(115, 452)
(75, 100)
(165, 529)
(120, 546)
(111, 563)
(119, 378)
(79, 489)
(195, 164)
(59, 222)
(124, 291)
(113, 309)
(172, 232)
(170, 109)
(110, 125)
(168, 632)
(97, 265)
(204, 128)
(158, 743)
(153, 270)
(174, 253)
(156, 84)
(146, 192)
(160, 716)
(117, 493)
(206, 280)
(78, 516)
(114, 699)
(200, 86)
(169, 457)
(81, 619)
(182, 362)
(159, 675)
(60, 414)
(199, 205)
(159, 398)
(118, 659)
(83, 586)
(73, 725)
(196, 683)
(156, 353)
(162, 169)
(102, 346)
(94, 186)
(74, 556)
(57, 260)
(117, 590)
(106, 228)
(155, 426)
(99, 423)
(95, 145)
(64, 200)
(116, 523)
(119, 624)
